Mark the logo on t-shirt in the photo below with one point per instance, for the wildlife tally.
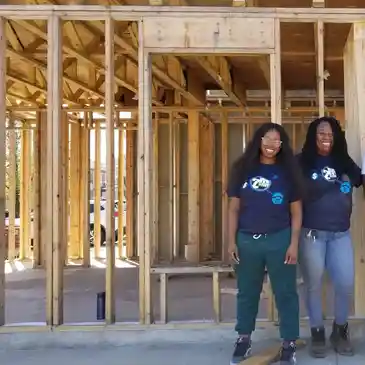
(260, 183)
(329, 173)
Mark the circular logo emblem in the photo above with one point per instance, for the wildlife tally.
(277, 198)
(260, 183)
(329, 174)
(345, 187)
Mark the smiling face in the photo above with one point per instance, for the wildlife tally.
(324, 138)
(270, 146)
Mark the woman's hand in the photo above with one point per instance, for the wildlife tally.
(233, 253)
(291, 256)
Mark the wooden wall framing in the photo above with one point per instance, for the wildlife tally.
(202, 182)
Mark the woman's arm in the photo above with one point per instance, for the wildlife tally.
(296, 221)
(233, 211)
(291, 257)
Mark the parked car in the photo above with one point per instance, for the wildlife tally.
(103, 221)
(92, 219)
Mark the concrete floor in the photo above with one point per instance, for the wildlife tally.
(189, 298)
(155, 347)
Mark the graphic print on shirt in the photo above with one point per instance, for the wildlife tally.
(329, 174)
(260, 184)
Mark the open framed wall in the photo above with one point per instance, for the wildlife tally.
(159, 206)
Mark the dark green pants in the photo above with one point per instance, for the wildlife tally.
(256, 252)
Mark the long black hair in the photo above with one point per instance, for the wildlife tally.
(341, 159)
(250, 159)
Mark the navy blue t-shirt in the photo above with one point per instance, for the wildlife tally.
(328, 205)
(264, 200)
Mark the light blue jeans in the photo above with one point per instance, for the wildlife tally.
(320, 250)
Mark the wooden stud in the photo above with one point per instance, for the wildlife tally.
(75, 176)
(355, 133)
(276, 117)
(110, 171)
(24, 249)
(163, 297)
(121, 190)
(192, 248)
(130, 160)
(56, 199)
(2, 166)
(275, 77)
(319, 43)
(206, 189)
(12, 193)
(146, 224)
(36, 223)
(216, 297)
(97, 190)
(224, 174)
(66, 185)
(85, 192)
(176, 186)
(155, 252)
(172, 140)
(44, 150)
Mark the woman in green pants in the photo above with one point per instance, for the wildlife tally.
(265, 217)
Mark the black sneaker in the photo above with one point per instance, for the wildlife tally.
(318, 343)
(242, 350)
(340, 340)
(287, 355)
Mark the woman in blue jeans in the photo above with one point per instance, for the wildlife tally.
(325, 244)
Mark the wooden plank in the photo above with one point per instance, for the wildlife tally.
(2, 166)
(56, 198)
(12, 193)
(146, 223)
(189, 270)
(206, 189)
(171, 193)
(121, 190)
(159, 246)
(44, 149)
(192, 248)
(275, 78)
(319, 44)
(97, 190)
(75, 166)
(163, 298)
(85, 192)
(24, 249)
(216, 297)
(36, 223)
(130, 159)
(224, 177)
(192, 32)
(276, 117)
(110, 172)
(176, 185)
(66, 185)
(355, 133)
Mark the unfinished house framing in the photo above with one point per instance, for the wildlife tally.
(175, 92)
